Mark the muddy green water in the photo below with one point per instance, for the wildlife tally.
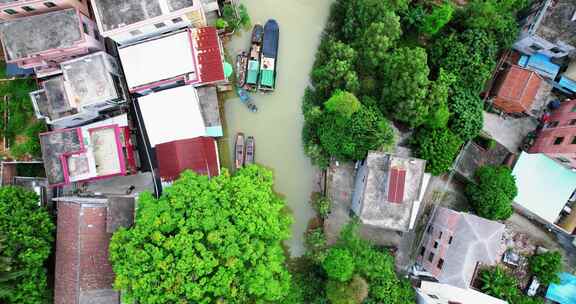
(278, 123)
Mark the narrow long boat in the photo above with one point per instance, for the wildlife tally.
(253, 69)
(241, 66)
(250, 149)
(240, 151)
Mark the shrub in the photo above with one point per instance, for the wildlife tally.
(497, 283)
(492, 194)
(322, 205)
(353, 292)
(467, 114)
(339, 264)
(436, 19)
(439, 147)
(546, 266)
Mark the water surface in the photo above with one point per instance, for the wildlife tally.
(278, 123)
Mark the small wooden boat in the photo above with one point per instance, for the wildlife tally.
(246, 100)
(241, 65)
(253, 68)
(250, 149)
(240, 151)
(269, 58)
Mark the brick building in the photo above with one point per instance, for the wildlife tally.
(84, 228)
(558, 137)
(45, 40)
(12, 9)
(456, 243)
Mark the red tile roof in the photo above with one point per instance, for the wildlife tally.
(396, 185)
(209, 55)
(83, 272)
(199, 154)
(518, 90)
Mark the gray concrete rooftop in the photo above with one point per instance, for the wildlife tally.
(116, 14)
(52, 100)
(89, 80)
(375, 208)
(30, 35)
(510, 132)
(209, 105)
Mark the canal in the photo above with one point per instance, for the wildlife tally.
(278, 123)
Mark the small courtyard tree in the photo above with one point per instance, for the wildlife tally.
(492, 194)
(546, 266)
(206, 240)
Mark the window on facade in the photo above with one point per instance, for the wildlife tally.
(440, 263)
(431, 257)
(435, 244)
(574, 140)
(440, 235)
(160, 25)
(135, 32)
(573, 109)
(10, 12)
(558, 140)
(49, 4)
(553, 124)
(535, 47)
(429, 229)
(556, 50)
(177, 20)
(28, 8)
(422, 250)
(450, 240)
(573, 122)
(96, 34)
(85, 28)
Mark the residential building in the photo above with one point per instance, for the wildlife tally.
(87, 86)
(473, 156)
(95, 151)
(386, 188)
(11, 9)
(548, 29)
(187, 57)
(83, 273)
(558, 137)
(198, 154)
(520, 91)
(48, 39)
(563, 292)
(26, 174)
(133, 20)
(546, 191)
(455, 244)
(438, 293)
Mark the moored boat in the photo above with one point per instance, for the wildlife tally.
(250, 149)
(240, 151)
(253, 69)
(241, 65)
(246, 99)
(269, 56)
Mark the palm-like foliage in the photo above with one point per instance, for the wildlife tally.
(496, 282)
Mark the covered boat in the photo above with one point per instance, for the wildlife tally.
(246, 99)
(241, 65)
(269, 56)
(239, 152)
(253, 69)
(250, 149)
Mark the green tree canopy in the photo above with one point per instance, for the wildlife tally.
(352, 138)
(492, 194)
(375, 42)
(434, 21)
(439, 112)
(343, 103)
(25, 244)
(405, 85)
(439, 147)
(497, 283)
(339, 264)
(546, 266)
(334, 68)
(206, 240)
(467, 113)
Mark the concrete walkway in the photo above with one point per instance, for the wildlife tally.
(509, 132)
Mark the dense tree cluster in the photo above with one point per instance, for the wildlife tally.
(204, 241)
(422, 64)
(492, 193)
(26, 236)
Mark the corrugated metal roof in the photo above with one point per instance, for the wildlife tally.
(253, 69)
(199, 154)
(396, 185)
(267, 78)
(209, 55)
(518, 90)
(542, 64)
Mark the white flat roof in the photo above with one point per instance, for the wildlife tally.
(159, 59)
(544, 186)
(171, 115)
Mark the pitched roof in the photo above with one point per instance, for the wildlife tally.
(476, 240)
(83, 271)
(518, 90)
(198, 154)
(209, 55)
